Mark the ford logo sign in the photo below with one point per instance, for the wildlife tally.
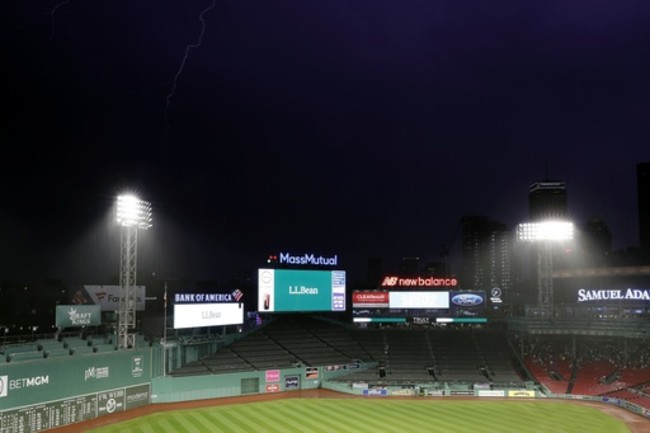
(467, 300)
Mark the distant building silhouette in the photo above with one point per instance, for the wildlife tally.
(643, 191)
(409, 267)
(486, 254)
(596, 242)
(436, 268)
(547, 199)
(375, 272)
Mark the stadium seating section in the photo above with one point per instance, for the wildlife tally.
(563, 364)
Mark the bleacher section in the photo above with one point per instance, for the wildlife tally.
(589, 378)
(285, 343)
(419, 355)
(500, 365)
(56, 346)
(340, 338)
(404, 355)
(409, 356)
(458, 356)
(605, 366)
(21, 352)
(557, 384)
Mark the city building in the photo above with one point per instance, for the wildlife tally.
(596, 243)
(486, 254)
(409, 266)
(547, 199)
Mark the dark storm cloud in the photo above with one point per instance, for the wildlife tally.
(364, 128)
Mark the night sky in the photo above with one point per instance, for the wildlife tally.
(357, 128)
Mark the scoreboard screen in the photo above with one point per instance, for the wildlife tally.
(291, 290)
(418, 306)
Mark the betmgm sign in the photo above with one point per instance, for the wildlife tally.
(40, 395)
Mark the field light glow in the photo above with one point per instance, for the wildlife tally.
(133, 212)
(545, 231)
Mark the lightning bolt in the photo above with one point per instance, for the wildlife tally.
(52, 16)
(53, 13)
(181, 67)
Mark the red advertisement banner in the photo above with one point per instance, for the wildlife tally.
(370, 299)
(273, 387)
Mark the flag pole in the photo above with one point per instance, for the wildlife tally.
(165, 333)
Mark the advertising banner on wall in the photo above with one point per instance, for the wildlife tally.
(467, 304)
(311, 372)
(107, 297)
(424, 282)
(292, 382)
(612, 295)
(370, 299)
(76, 316)
(521, 393)
(62, 379)
(291, 290)
(272, 375)
(203, 315)
(273, 387)
(419, 300)
(618, 286)
(418, 306)
(208, 298)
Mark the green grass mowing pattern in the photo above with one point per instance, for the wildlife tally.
(377, 416)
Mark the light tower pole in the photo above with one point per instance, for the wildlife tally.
(133, 214)
(544, 235)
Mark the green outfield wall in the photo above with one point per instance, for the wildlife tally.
(42, 394)
(51, 379)
(172, 389)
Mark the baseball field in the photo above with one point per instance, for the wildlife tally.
(374, 415)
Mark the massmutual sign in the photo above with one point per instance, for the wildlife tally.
(308, 260)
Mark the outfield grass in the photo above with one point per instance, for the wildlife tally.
(377, 416)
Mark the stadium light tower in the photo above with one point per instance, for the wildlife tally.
(133, 214)
(544, 234)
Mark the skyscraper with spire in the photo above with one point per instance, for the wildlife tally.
(547, 199)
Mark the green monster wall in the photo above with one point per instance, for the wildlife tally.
(51, 379)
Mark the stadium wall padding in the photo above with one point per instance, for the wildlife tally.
(32, 382)
(172, 389)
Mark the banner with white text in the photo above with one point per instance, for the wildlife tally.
(203, 315)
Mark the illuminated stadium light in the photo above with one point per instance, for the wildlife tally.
(545, 231)
(132, 214)
(544, 234)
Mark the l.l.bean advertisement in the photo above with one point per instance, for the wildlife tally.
(287, 290)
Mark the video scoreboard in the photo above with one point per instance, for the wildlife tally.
(420, 300)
